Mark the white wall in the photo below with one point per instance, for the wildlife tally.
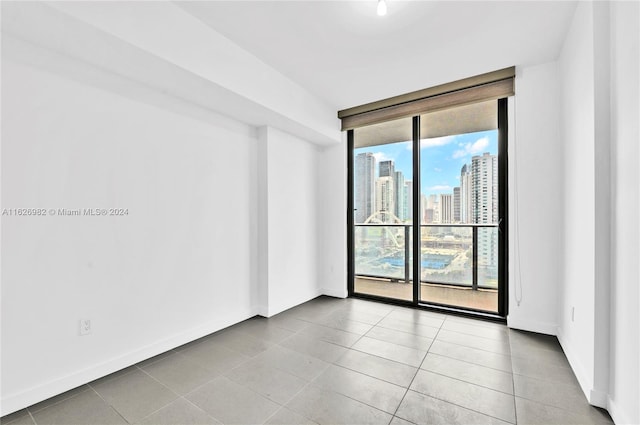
(100, 114)
(535, 199)
(624, 391)
(599, 80)
(534, 203)
(332, 179)
(577, 308)
(172, 270)
(289, 176)
(169, 32)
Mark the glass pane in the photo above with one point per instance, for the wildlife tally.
(383, 260)
(447, 255)
(488, 257)
(459, 205)
(383, 158)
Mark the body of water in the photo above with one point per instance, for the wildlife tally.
(429, 261)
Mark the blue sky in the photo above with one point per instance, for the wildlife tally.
(441, 158)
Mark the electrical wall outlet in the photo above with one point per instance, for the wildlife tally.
(85, 326)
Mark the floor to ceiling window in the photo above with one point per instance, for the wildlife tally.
(433, 184)
(382, 198)
(460, 209)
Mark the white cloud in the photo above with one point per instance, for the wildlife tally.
(436, 141)
(437, 170)
(440, 187)
(381, 156)
(472, 148)
(480, 145)
(407, 145)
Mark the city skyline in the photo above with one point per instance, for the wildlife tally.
(441, 158)
(469, 196)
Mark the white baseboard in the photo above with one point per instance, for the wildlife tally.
(598, 399)
(273, 310)
(261, 311)
(619, 416)
(586, 383)
(532, 326)
(13, 402)
(337, 293)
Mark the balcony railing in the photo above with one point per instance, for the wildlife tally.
(464, 255)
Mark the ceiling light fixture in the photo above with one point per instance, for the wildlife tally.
(382, 7)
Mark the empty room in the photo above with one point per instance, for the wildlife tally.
(320, 212)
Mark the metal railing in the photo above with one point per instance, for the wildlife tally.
(450, 245)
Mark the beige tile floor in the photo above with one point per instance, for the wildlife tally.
(334, 361)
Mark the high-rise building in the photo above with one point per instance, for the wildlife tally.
(484, 191)
(387, 169)
(385, 198)
(456, 204)
(364, 175)
(445, 202)
(433, 203)
(428, 215)
(408, 197)
(465, 195)
(401, 200)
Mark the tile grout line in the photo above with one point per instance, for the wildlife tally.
(417, 371)
(222, 375)
(333, 343)
(284, 405)
(371, 376)
(376, 324)
(472, 363)
(351, 398)
(108, 404)
(513, 381)
(29, 408)
(414, 376)
(477, 322)
(475, 348)
(406, 332)
(446, 401)
(157, 380)
(464, 407)
(385, 358)
(481, 338)
(575, 412)
(455, 404)
(395, 330)
(308, 383)
(329, 364)
(380, 357)
(31, 416)
(148, 375)
(199, 408)
(466, 382)
(401, 345)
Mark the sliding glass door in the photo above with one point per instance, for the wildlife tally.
(444, 172)
(382, 210)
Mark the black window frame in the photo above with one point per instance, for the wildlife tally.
(503, 226)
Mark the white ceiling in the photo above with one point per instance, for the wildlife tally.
(347, 55)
